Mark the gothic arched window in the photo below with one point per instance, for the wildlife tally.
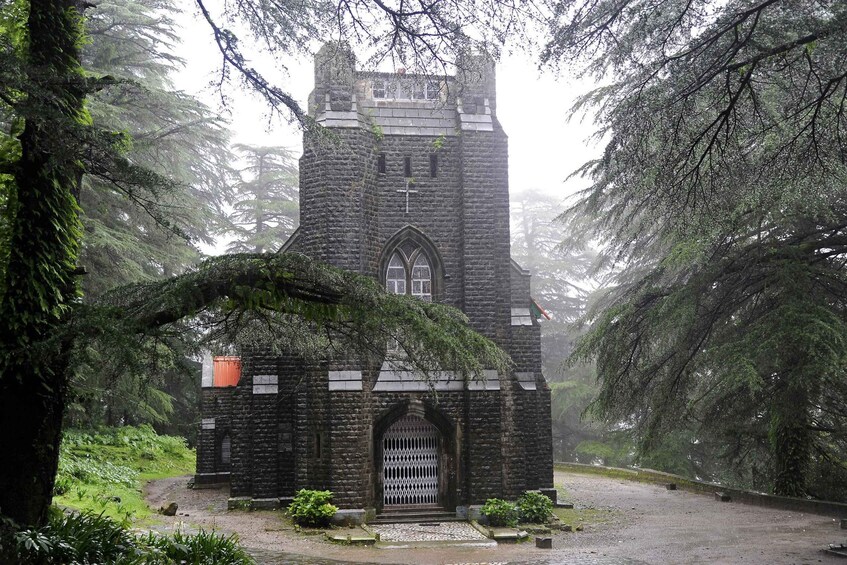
(395, 276)
(410, 274)
(422, 279)
(410, 263)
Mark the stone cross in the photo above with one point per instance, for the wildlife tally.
(407, 190)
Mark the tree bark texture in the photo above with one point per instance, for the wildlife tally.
(40, 287)
(790, 439)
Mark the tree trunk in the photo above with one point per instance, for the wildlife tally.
(31, 416)
(790, 439)
(39, 286)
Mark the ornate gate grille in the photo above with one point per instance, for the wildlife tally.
(410, 462)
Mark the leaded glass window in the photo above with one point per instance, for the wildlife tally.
(409, 274)
(422, 279)
(425, 90)
(395, 277)
(380, 88)
(409, 271)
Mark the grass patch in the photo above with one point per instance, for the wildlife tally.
(104, 471)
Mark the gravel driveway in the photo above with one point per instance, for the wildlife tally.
(634, 523)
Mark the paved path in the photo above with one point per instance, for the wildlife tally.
(655, 525)
(446, 531)
(633, 523)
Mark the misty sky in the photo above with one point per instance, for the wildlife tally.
(544, 148)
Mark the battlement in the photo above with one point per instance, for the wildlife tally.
(400, 103)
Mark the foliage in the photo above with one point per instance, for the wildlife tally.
(138, 231)
(201, 548)
(562, 279)
(569, 400)
(44, 88)
(561, 283)
(534, 507)
(425, 39)
(720, 196)
(500, 512)
(75, 538)
(312, 507)
(93, 538)
(105, 470)
(120, 383)
(289, 302)
(678, 452)
(148, 231)
(265, 208)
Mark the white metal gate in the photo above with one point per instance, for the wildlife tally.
(410, 462)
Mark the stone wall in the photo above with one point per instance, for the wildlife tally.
(316, 426)
(216, 413)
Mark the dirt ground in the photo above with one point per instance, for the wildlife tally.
(632, 523)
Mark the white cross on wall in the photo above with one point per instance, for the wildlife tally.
(407, 190)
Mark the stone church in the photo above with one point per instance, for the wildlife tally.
(413, 191)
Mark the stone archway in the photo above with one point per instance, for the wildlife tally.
(415, 457)
(410, 463)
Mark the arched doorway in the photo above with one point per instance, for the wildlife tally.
(411, 463)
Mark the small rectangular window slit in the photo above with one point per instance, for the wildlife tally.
(407, 167)
(433, 165)
(380, 163)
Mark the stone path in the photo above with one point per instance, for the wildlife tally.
(626, 523)
(277, 558)
(443, 531)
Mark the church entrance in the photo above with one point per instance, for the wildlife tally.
(410, 465)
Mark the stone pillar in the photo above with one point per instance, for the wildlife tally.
(349, 439)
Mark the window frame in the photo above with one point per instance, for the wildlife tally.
(385, 88)
(412, 241)
(409, 264)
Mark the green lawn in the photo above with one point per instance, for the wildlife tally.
(105, 470)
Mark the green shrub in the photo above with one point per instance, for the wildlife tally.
(91, 538)
(500, 512)
(198, 549)
(534, 507)
(75, 538)
(62, 485)
(312, 507)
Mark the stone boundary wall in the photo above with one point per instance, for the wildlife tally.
(822, 507)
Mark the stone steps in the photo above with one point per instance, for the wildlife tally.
(416, 515)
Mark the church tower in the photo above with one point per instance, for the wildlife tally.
(407, 183)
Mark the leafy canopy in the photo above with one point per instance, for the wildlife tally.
(720, 195)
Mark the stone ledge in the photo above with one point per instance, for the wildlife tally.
(265, 389)
(351, 516)
(265, 504)
(249, 503)
(211, 480)
(356, 536)
(472, 512)
(822, 507)
(550, 493)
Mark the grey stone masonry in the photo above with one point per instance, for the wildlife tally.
(411, 169)
(215, 426)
